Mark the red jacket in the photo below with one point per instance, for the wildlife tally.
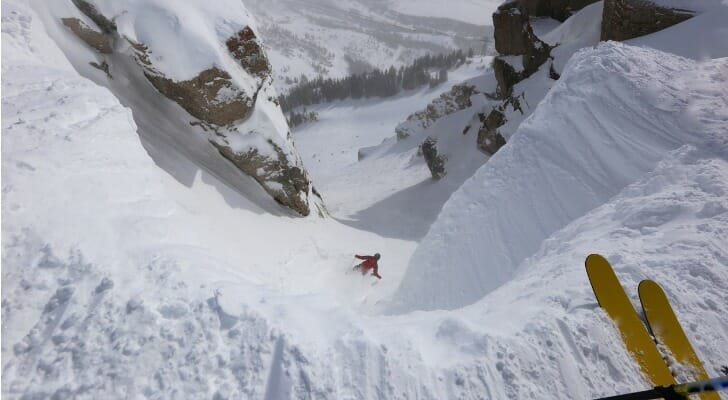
(370, 262)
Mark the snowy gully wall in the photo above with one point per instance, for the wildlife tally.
(612, 116)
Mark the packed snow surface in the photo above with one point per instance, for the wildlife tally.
(118, 281)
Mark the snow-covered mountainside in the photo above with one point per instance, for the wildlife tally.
(519, 210)
(368, 177)
(333, 38)
(121, 279)
(200, 87)
(619, 125)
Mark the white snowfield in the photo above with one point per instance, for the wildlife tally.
(120, 282)
(333, 38)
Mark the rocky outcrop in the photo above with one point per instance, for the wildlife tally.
(510, 29)
(489, 139)
(435, 162)
(456, 99)
(627, 19)
(246, 48)
(93, 38)
(106, 25)
(210, 96)
(506, 76)
(556, 9)
(514, 37)
(287, 184)
(219, 102)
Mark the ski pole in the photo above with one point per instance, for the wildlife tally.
(675, 392)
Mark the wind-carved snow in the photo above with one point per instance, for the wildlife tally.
(626, 108)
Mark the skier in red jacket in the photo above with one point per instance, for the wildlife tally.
(370, 262)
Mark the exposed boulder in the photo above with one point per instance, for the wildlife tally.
(93, 38)
(509, 70)
(536, 55)
(106, 25)
(511, 30)
(210, 96)
(456, 99)
(514, 37)
(506, 75)
(287, 184)
(489, 139)
(103, 66)
(246, 48)
(435, 162)
(627, 19)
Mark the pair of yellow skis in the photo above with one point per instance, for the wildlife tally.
(660, 317)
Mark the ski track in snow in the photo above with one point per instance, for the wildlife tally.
(118, 282)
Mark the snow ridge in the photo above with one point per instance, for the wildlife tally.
(626, 108)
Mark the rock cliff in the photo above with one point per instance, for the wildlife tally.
(220, 76)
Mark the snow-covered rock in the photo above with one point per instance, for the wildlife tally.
(208, 60)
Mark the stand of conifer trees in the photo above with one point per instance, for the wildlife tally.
(428, 70)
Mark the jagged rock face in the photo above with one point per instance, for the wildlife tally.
(435, 162)
(284, 182)
(107, 26)
(510, 30)
(557, 9)
(221, 101)
(514, 37)
(506, 76)
(489, 139)
(210, 96)
(627, 19)
(93, 38)
(245, 48)
(458, 98)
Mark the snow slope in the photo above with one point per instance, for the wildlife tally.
(168, 132)
(370, 192)
(120, 282)
(627, 107)
(334, 38)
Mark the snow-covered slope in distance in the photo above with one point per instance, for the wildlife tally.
(334, 38)
(371, 192)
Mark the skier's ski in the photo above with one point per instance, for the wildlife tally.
(667, 331)
(678, 392)
(614, 301)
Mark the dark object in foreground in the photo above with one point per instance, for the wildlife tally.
(675, 392)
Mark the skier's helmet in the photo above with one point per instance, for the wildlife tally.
(377, 256)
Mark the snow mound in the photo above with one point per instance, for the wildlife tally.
(615, 112)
